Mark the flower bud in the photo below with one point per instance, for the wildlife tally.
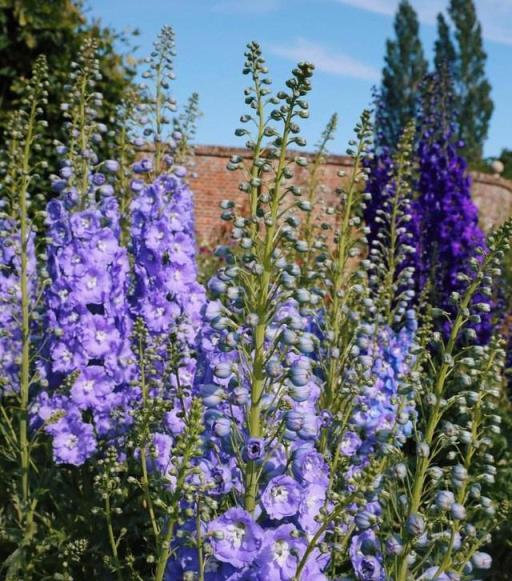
(415, 525)
(444, 499)
(458, 511)
(481, 560)
(222, 370)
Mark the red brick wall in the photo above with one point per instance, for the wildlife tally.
(212, 183)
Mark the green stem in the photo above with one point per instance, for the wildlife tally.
(335, 309)
(143, 452)
(200, 556)
(25, 313)
(435, 416)
(262, 293)
(165, 544)
(111, 537)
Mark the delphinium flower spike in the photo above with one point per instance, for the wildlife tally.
(367, 362)
(254, 372)
(185, 126)
(443, 486)
(391, 272)
(87, 363)
(165, 303)
(342, 282)
(383, 410)
(156, 106)
(314, 228)
(19, 289)
(445, 218)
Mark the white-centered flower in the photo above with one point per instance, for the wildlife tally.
(100, 336)
(71, 441)
(281, 552)
(235, 534)
(280, 493)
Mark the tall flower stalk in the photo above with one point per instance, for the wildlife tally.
(87, 362)
(18, 296)
(452, 425)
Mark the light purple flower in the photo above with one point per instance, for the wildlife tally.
(313, 500)
(73, 442)
(309, 466)
(235, 537)
(281, 553)
(281, 497)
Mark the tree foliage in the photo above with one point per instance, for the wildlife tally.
(405, 67)
(466, 61)
(57, 29)
(444, 50)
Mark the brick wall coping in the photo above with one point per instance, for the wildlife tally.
(331, 159)
(226, 151)
(492, 180)
(334, 159)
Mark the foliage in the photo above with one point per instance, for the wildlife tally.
(472, 89)
(57, 29)
(404, 70)
(444, 51)
(460, 54)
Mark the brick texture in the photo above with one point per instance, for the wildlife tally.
(212, 183)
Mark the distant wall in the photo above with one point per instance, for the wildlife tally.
(493, 197)
(214, 183)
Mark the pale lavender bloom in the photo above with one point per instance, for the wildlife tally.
(235, 537)
(281, 497)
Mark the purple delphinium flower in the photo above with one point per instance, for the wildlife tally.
(10, 300)
(88, 326)
(444, 219)
(281, 552)
(281, 497)
(378, 418)
(309, 466)
(366, 557)
(350, 443)
(166, 296)
(313, 500)
(255, 449)
(235, 538)
(287, 471)
(73, 440)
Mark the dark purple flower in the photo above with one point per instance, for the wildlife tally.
(255, 449)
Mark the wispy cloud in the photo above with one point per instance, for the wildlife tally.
(334, 63)
(379, 6)
(246, 6)
(495, 15)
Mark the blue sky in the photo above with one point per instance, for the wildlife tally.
(345, 39)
